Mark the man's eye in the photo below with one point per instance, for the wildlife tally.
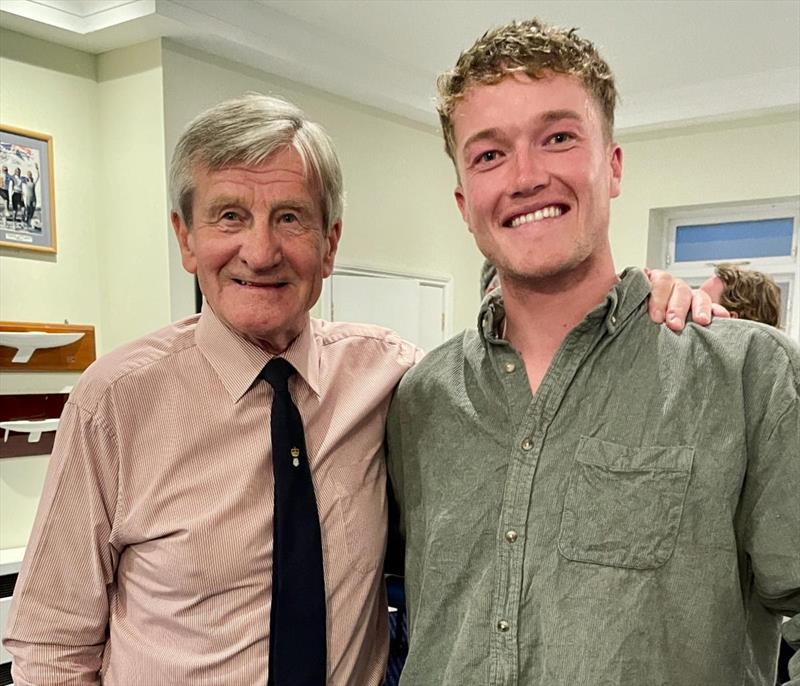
(288, 218)
(562, 137)
(488, 156)
(230, 216)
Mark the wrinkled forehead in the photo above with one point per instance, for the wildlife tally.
(286, 161)
(281, 177)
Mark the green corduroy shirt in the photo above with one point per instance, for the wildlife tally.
(636, 522)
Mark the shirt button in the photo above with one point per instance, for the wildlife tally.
(613, 319)
(503, 625)
(527, 444)
(511, 536)
(510, 367)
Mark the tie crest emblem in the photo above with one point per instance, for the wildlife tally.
(295, 454)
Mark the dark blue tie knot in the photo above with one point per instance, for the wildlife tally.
(277, 373)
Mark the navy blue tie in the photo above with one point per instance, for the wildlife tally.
(297, 654)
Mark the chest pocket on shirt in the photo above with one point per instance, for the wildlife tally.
(623, 505)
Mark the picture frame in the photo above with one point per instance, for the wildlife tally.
(27, 195)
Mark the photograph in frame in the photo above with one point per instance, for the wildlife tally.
(27, 218)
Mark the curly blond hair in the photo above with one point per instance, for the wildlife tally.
(750, 294)
(533, 48)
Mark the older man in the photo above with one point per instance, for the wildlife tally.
(215, 508)
(587, 498)
(176, 543)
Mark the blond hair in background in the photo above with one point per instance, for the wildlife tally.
(750, 294)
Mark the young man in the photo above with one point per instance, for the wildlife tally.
(587, 498)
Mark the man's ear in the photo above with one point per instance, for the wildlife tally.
(185, 241)
(615, 183)
(461, 201)
(331, 245)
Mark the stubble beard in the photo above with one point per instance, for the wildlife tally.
(548, 277)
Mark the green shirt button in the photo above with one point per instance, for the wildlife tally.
(527, 444)
(503, 625)
(511, 536)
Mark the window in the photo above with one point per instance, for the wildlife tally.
(690, 241)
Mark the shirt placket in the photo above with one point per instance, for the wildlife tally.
(525, 450)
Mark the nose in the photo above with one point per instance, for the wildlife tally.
(261, 248)
(529, 173)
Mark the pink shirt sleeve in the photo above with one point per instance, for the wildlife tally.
(57, 626)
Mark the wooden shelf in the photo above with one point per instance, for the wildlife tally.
(30, 407)
(76, 356)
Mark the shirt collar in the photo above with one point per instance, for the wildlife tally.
(622, 300)
(238, 362)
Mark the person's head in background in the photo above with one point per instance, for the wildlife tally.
(745, 293)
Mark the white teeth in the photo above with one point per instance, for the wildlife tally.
(544, 213)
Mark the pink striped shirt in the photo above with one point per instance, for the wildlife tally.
(150, 561)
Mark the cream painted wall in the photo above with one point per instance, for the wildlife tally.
(400, 213)
(51, 89)
(132, 237)
(745, 160)
(105, 114)
(107, 121)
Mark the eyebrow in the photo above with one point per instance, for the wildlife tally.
(548, 117)
(558, 115)
(294, 205)
(485, 134)
(224, 201)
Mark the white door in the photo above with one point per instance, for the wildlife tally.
(389, 302)
(416, 307)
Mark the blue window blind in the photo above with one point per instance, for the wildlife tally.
(734, 240)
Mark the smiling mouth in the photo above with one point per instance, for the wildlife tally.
(549, 212)
(253, 284)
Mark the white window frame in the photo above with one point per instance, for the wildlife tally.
(661, 245)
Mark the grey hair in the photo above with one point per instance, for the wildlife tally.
(247, 131)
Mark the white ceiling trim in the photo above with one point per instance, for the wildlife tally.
(80, 17)
(768, 92)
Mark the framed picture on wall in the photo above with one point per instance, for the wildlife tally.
(27, 208)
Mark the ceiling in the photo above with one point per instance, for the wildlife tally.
(676, 61)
